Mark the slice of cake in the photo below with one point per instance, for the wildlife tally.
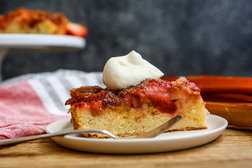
(138, 108)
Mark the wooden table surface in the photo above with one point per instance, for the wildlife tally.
(232, 149)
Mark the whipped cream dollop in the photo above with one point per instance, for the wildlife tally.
(124, 71)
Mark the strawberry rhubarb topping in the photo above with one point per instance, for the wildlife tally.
(159, 93)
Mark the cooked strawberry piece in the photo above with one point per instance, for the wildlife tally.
(76, 30)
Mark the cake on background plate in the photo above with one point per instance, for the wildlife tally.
(24, 21)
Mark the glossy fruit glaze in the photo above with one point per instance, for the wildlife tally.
(160, 94)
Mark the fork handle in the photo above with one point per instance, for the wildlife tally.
(24, 139)
(42, 136)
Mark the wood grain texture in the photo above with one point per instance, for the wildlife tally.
(232, 149)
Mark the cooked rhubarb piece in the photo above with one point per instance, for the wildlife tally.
(76, 30)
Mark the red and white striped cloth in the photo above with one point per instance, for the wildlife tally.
(30, 102)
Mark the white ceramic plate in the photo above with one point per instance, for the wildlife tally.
(40, 41)
(165, 142)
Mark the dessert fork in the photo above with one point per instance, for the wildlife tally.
(153, 133)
